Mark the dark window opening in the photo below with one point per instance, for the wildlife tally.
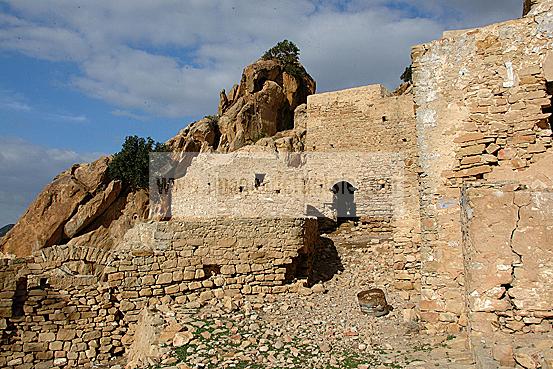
(20, 297)
(43, 283)
(241, 188)
(277, 191)
(118, 316)
(259, 178)
(211, 270)
(384, 118)
(343, 201)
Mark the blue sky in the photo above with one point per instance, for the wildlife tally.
(78, 76)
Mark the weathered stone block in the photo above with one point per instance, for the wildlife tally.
(228, 270)
(164, 278)
(66, 334)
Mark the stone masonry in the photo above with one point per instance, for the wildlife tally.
(483, 115)
(382, 166)
(70, 306)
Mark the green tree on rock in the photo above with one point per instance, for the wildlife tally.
(131, 164)
(288, 54)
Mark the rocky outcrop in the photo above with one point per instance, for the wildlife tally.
(262, 105)
(110, 227)
(43, 222)
(81, 207)
(92, 209)
(282, 142)
(200, 136)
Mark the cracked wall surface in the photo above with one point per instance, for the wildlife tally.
(509, 259)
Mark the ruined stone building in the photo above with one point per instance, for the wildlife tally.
(457, 173)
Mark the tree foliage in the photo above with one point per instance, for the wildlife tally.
(288, 54)
(407, 75)
(131, 164)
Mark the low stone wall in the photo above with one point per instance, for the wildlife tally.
(73, 306)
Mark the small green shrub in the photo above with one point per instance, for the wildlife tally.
(288, 54)
(131, 164)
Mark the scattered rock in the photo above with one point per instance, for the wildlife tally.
(182, 338)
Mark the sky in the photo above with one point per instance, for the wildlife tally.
(78, 76)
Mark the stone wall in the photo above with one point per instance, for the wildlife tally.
(364, 136)
(370, 119)
(508, 253)
(362, 119)
(74, 306)
(483, 115)
(270, 185)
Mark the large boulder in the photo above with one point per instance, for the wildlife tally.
(252, 117)
(108, 229)
(89, 211)
(200, 136)
(262, 105)
(43, 223)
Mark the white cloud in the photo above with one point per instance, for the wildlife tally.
(13, 101)
(68, 118)
(25, 169)
(170, 58)
(129, 114)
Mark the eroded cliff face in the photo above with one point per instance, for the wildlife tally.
(82, 207)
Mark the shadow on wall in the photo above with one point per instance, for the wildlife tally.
(343, 201)
(326, 261)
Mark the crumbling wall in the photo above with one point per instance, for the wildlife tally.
(361, 119)
(483, 115)
(508, 256)
(370, 121)
(78, 303)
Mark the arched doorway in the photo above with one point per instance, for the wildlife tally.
(343, 201)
